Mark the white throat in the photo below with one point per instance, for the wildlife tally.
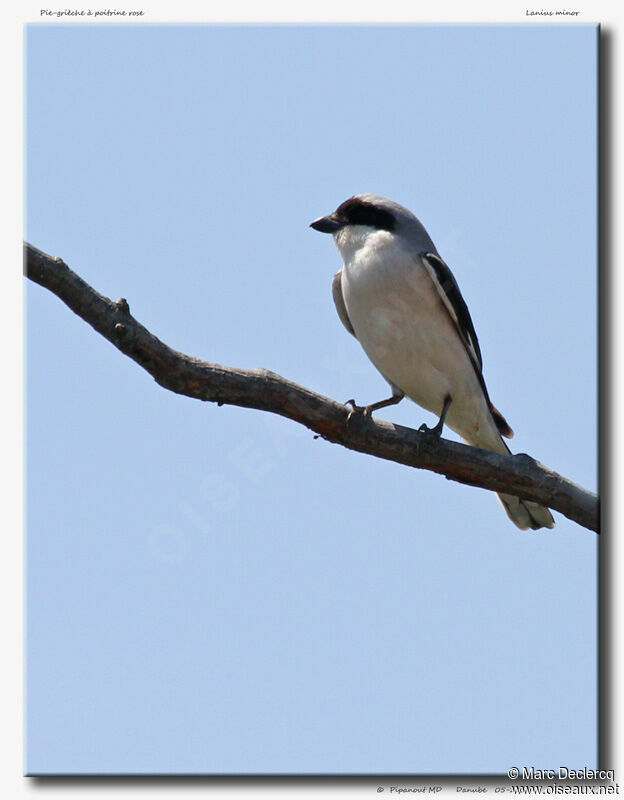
(354, 241)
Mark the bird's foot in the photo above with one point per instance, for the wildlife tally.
(435, 431)
(365, 411)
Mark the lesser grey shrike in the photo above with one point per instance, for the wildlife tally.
(403, 305)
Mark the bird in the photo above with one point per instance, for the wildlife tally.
(400, 300)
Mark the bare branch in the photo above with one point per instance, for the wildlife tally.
(519, 474)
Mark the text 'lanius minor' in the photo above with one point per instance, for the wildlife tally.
(403, 305)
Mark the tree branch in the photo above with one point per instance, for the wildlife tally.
(519, 474)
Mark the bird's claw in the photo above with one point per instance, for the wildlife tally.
(355, 409)
(435, 431)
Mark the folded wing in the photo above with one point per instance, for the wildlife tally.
(448, 290)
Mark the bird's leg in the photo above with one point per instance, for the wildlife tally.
(437, 429)
(368, 410)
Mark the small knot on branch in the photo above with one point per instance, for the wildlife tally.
(122, 306)
(121, 331)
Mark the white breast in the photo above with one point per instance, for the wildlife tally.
(402, 324)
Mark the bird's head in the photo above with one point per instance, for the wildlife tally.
(363, 216)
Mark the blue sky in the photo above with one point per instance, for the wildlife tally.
(210, 589)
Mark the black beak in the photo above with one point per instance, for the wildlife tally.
(327, 224)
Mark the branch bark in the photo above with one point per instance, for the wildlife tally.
(518, 474)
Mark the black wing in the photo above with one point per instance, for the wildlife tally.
(448, 290)
(446, 285)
